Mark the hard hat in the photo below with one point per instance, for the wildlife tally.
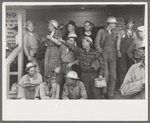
(141, 28)
(129, 19)
(72, 35)
(111, 20)
(29, 22)
(29, 65)
(54, 23)
(87, 38)
(72, 74)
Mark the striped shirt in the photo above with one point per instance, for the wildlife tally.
(87, 58)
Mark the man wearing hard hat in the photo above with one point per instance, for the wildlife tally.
(125, 38)
(28, 86)
(134, 52)
(105, 44)
(88, 59)
(134, 82)
(68, 59)
(73, 88)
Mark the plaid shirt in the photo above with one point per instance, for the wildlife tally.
(87, 58)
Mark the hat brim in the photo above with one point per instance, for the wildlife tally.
(72, 77)
(72, 37)
(31, 67)
(111, 22)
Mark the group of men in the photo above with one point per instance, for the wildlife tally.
(119, 57)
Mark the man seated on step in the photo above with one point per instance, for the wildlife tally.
(73, 88)
(28, 86)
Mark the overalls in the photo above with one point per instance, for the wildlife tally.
(109, 54)
(124, 63)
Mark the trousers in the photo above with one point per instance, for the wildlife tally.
(28, 92)
(88, 80)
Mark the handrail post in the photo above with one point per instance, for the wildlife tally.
(20, 34)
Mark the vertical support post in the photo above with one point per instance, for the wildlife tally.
(20, 35)
(8, 80)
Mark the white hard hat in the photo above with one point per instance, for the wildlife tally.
(29, 65)
(72, 35)
(141, 28)
(88, 39)
(111, 20)
(54, 23)
(72, 74)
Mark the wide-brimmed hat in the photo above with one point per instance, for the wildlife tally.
(54, 23)
(72, 74)
(129, 19)
(51, 75)
(72, 23)
(111, 20)
(30, 65)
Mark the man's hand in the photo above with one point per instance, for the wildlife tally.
(69, 65)
(119, 54)
(143, 81)
(60, 39)
(57, 70)
(100, 77)
(29, 58)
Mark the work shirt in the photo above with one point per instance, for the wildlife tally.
(47, 92)
(31, 43)
(35, 80)
(87, 58)
(74, 92)
(66, 55)
(134, 52)
(106, 42)
(132, 85)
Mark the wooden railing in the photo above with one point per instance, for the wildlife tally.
(16, 52)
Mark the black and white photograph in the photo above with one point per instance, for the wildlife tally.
(64, 60)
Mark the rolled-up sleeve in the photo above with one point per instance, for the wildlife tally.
(129, 86)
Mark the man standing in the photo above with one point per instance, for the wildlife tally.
(105, 44)
(134, 53)
(68, 59)
(88, 32)
(134, 82)
(31, 44)
(73, 88)
(125, 38)
(90, 63)
(71, 29)
(28, 86)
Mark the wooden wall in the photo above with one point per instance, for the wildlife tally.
(97, 15)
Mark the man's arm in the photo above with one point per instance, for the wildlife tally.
(65, 93)
(119, 37)
(38, 80)
(25, 45)
(55, 91)
(42, 93)
(97, 41)
(130, 50)
(73, 48)
(130, 87)
(102, 66)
